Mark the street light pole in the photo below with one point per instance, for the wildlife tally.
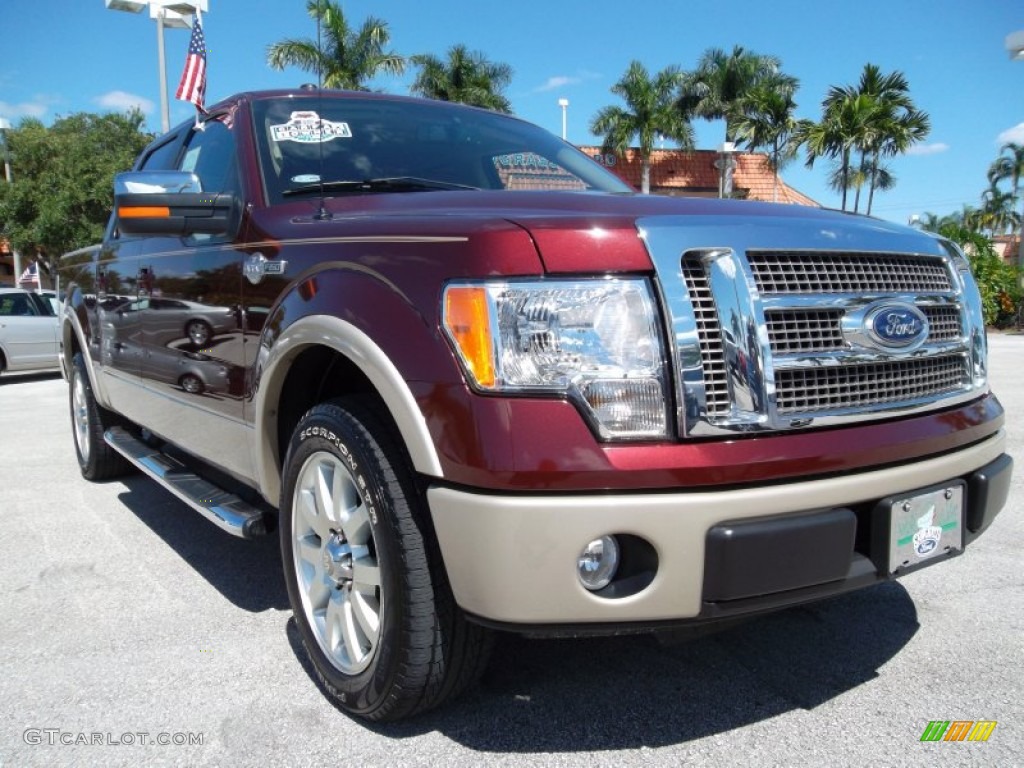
(167, 13)
(564, 104)
(726, 164)
(1015, 47)
(165, 106)
(5, 125)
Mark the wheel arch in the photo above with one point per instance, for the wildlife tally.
(73, 332)
(318, 358)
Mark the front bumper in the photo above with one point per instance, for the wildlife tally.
(511, 558)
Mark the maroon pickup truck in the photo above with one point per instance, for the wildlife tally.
(476, 383)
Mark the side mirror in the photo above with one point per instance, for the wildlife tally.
(172, 203)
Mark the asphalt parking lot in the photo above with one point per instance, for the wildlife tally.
(129, 620)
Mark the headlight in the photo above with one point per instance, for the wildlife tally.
(595, 341)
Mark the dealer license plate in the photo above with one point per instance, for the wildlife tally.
(926, 525)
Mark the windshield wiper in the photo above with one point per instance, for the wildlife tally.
(386, 184)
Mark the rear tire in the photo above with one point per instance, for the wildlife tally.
(364, 574)
(199, 332)
(96, 459)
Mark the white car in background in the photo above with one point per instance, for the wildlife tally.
(29, 332)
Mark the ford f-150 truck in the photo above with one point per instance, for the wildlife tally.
(476, 383)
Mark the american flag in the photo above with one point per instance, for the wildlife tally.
(193, 80)
(30, 275)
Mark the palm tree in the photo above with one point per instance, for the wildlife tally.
(650, 112)
(844, 124)
(875, 119)
(998, 210)
(897, 124)
(348, 58)
(929, 222)
(721, 80)
(1010, 165)
(765, 120)
(466, 77)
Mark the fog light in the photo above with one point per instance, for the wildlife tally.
(598, 562)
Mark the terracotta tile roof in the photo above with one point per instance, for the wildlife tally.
(676, 172)
(1007, 246)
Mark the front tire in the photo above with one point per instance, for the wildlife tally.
(96, 459)
(363, 573)
(192, 384)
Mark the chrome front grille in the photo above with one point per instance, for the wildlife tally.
(840, 388)
(716, 382)
(776, 331)
(944, 323)
(786, 272)
(799, 331)
(792, 332)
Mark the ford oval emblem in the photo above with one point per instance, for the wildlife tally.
(897, 326)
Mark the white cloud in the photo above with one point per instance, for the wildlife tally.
(35, 108)
(554, 83)
(928, 149)
(122, 101)
(1013, 135)
(561, 81)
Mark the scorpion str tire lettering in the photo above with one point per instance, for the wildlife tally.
(363, 571)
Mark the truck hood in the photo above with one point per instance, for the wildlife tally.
(573, 232)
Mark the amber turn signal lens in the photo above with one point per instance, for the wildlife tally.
(144, 211)
(468, 320)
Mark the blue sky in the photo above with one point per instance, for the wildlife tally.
(65, 56)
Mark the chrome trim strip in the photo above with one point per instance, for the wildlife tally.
(744, 336)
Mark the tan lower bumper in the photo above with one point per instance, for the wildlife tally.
(513, 558)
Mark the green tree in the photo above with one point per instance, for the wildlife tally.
(873, 120)
(466, 77)
(345, 57)
(896, 125)
(998, 282)
(998, 212)
(1010, 166)
(930, 222)
(843, 125)
(765, 121)
(650, 112)
(63, 189)
(721, 80)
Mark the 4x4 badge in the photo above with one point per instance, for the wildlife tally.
(258, 265)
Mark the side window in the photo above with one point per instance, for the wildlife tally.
(210, 155)
(15, 305)
(162, 158)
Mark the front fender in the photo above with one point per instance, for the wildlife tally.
(348, 340)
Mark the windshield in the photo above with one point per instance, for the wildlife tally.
(356, 145)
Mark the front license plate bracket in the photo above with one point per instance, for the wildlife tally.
(925, 526)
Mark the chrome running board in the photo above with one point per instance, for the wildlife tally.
(225, 510)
